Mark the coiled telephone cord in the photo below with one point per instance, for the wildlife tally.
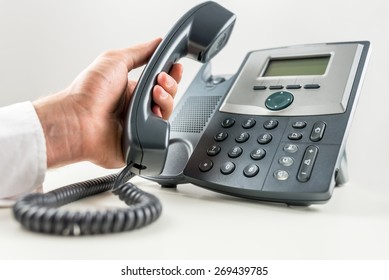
(41, 213)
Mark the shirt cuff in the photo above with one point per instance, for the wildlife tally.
(23, 163)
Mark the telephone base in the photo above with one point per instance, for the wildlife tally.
(342, 176)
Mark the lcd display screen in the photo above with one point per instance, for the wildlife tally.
(314, 65)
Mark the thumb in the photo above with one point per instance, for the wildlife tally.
(138, 55)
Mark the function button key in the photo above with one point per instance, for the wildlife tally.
(276, 87)
(306, 167)
(243, 137)
(286, 161)
(295, 136)
(251, 170)
(291, 148)
(259, 87)
(299, 124)
(228, 122)
(258, 154)
(312, 86)
(264, 138)
(213, 150)
(281, 175)
(270, 124)
(221, 136)
(205, 165)
(249, 123)
(279, 100)
(235, 152)
(293, 86)
(227, 167)
(317, 131)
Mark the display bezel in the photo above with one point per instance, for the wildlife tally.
(314, 65)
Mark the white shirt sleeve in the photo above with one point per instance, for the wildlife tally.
(22, 152)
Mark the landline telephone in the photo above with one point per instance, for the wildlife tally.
(274, 131)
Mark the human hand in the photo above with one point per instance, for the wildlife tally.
(85, 121)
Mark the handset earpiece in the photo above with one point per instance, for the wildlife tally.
(200, 34)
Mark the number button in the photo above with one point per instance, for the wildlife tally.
(235, 152)
(270, 124)
(205, 165)
(258, 154)
(243, 137)
(264, 138)
(249, 123)
(228, 123)
(227, 168)
(251, 170)
(221, 136)
(213, 150)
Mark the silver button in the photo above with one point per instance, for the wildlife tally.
(290, 148)
(281, 175)
(286, 161)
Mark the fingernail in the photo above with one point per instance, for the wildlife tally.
(169, 81)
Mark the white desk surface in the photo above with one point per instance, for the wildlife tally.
(199, 224)
(196, 223)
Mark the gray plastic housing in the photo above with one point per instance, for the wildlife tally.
(193, 132)
(200, 34)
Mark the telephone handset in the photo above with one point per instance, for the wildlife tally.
(200, 34)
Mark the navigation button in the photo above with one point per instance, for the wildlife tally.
(279, 100)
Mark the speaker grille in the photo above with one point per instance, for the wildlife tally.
(194, 114)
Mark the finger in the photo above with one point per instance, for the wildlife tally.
(164, 101)
(138, 55)
(167, 83)
(176, 72)
(156, 110)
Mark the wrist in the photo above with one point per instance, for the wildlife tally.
(62, 130)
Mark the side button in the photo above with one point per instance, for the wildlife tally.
(317, 131)
(306, 167)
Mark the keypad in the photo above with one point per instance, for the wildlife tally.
(254, 147)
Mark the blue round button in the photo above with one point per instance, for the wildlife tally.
(279, 100)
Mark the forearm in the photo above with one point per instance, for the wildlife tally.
(61, 128)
